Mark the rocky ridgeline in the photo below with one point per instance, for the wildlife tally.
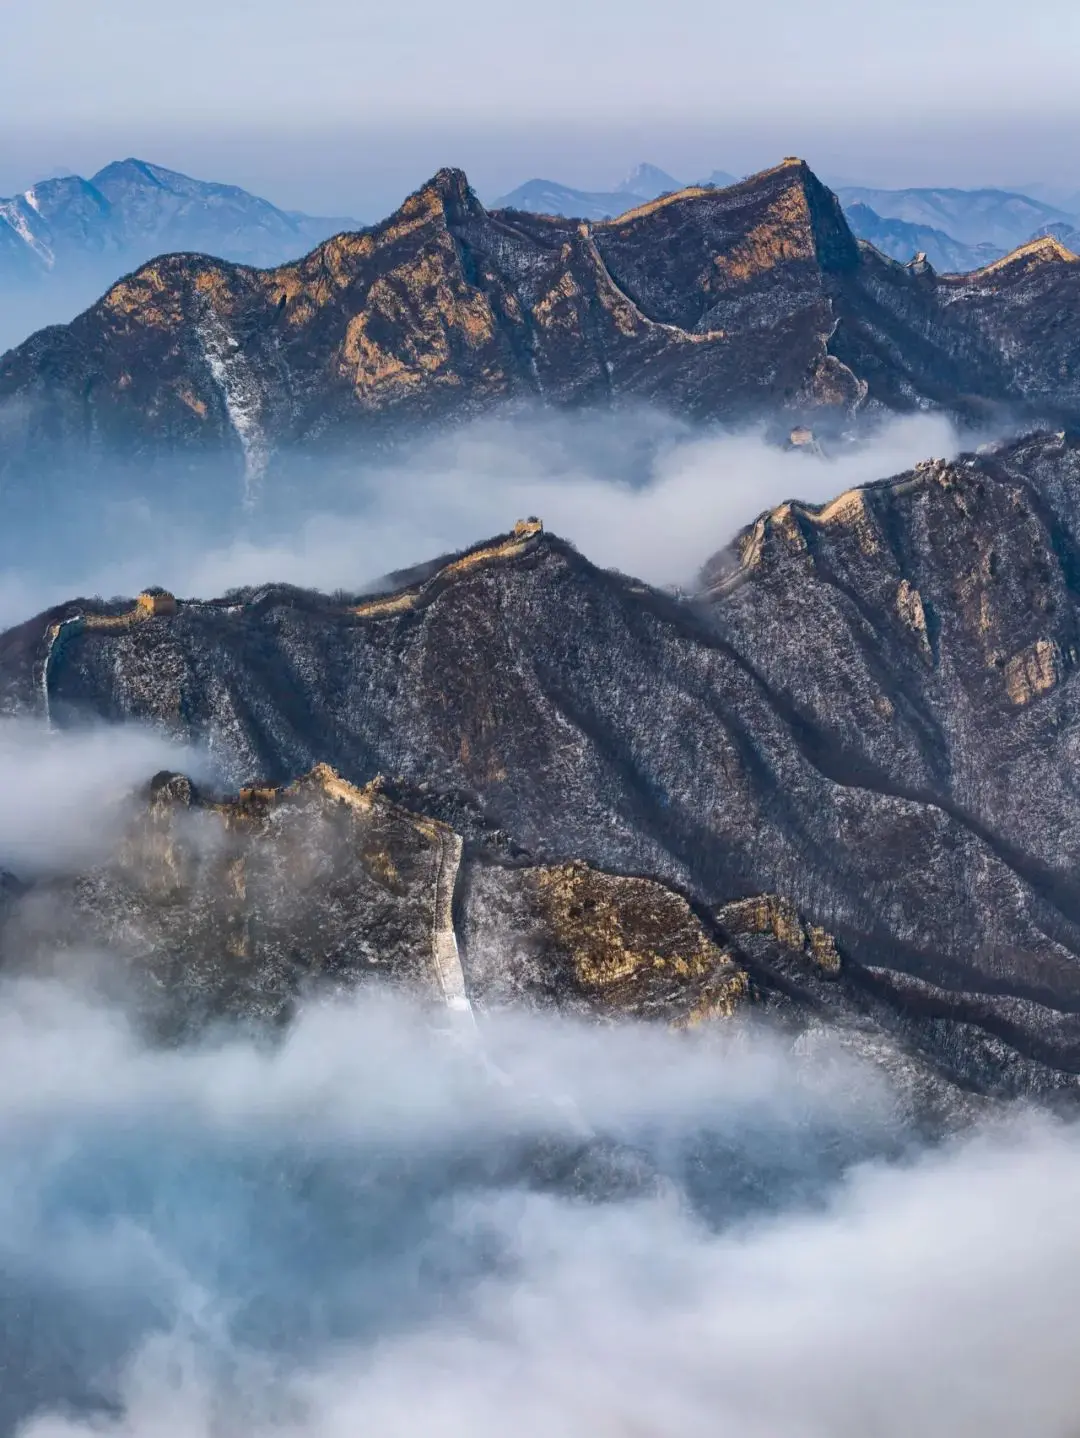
(868, 711)
(713, 303)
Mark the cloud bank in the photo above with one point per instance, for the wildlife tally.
(358, 1230)
(636, 491)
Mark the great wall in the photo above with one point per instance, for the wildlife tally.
(157, 603)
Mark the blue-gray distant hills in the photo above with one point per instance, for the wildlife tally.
(134, 210)
(902, 240)
(1001, 218)
(645, 182)
(957, 230)
(65, 240)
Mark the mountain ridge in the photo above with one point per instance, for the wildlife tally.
(59, 218)
(907, 223)
(440, 299)
(869, 707)
(754, 302)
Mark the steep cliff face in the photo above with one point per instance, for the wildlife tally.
(869, 709)
(717, 303)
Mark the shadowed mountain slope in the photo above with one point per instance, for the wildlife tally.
(719, 304)
(869, 709)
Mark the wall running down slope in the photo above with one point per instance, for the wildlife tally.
(717, 304)
(868, 711)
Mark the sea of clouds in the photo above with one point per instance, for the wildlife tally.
(636, 490)
(380, 1221)
(358, 1230)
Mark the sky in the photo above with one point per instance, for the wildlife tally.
(337, 107)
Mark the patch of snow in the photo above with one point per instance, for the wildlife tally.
(11, 211)
(239, 387)
(448, 971)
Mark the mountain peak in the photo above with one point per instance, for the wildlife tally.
(130, 171)
(799, 217)
(451, 182)
(448, 190)
(647, 181)
(1044, 249)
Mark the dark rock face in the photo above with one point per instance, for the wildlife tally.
(238, 907)
(869, 710)
(572, 937)
(717, 303)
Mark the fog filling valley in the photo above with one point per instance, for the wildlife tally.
(376, 1227)
(638, 491)
(385, 1219)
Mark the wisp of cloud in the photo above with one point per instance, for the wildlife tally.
(66, 795)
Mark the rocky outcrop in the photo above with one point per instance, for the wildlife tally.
(240, 905)
(573, 937)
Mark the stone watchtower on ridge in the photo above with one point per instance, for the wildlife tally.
(155, 600)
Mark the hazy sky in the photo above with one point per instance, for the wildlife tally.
(334, 105)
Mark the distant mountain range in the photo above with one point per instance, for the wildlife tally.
(957, 230)
(973, 217)
(132, 211)
(902, 240)
(644, 183)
